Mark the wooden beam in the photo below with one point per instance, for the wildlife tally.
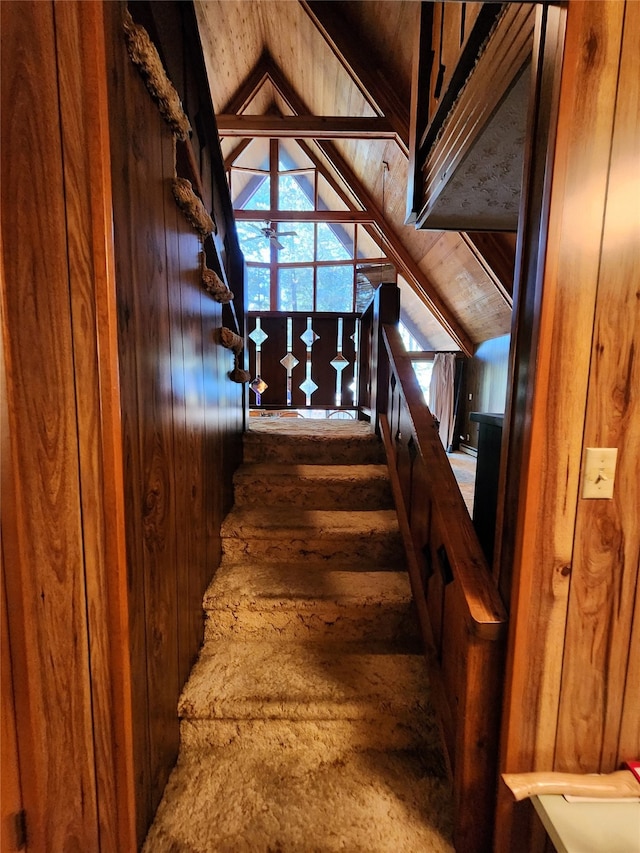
(365, 70)
(304, 215)
(230, 159)
(392, 244)
(305, 127)
(248, 90)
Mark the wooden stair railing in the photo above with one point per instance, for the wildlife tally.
(307, 359)
(462, 618)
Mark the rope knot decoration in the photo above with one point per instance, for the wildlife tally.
(194, 210)
(146, 58)
(230, 340)
(213, 284)
(235, 343)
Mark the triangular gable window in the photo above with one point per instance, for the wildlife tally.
(297, 264)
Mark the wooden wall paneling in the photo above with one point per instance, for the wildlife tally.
(10, 786)
(183, 250)
(545, 555)
(192, 299)
(149, 188)
(605, 570)
(129, 355)
(215, 358)
(148, 439)
(83, 101)
(547, 60)
(516, 823)
(629, 740)
(42, 523)
(570, 281)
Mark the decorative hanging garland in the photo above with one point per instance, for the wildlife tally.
(145, 57)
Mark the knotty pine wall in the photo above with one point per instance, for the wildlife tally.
(573, 678)
(120, 428)
(181, 415)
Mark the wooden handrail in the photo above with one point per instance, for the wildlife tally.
(484, 609)
(462, 618)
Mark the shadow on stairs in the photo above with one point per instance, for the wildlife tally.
(306, 724)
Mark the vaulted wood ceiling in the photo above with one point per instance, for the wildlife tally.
(353, 58)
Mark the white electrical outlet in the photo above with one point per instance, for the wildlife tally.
(599, 472)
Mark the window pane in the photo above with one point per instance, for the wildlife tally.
(298, 247)
(243, 185)
(291, 156)
(335, 241)
(410, 343)
(258, 289)
(254, 244)
(367, 246)
(335, 288)
(328, 198)
(255, 156)
(296, 192)
(259, 195)
(423, 370)
(295, 289)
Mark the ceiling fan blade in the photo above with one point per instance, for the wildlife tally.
(287, 233)
(275, 242)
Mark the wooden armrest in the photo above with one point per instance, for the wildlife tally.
(621, 783)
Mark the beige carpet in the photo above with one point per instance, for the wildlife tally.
(306, 724)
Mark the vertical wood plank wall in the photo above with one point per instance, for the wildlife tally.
(573, 677)
(61, 479)
(120, 426)
(182, 416)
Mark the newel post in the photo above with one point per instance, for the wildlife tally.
(384, 309)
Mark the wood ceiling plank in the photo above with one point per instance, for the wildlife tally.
(496, 256)
(365, 70)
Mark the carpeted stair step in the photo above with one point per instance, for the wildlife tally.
(313, 486)
(312, 442)
(306, 723)
(353, 694)
(297, 601)
(236, 800)
(361, 538)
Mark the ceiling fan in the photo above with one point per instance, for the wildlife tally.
(271, 234)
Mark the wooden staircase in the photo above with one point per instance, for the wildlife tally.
(306, 723)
